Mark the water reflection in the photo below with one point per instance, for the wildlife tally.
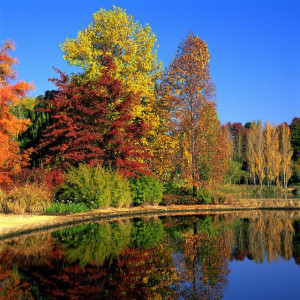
(183, 257)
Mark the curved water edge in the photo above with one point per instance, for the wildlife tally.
(58, 221)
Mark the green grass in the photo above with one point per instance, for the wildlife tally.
(57, 207)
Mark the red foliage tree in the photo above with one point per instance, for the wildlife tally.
(93, 123)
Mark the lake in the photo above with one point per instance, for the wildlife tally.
(242, 255)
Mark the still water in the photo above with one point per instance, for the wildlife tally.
(246, 255)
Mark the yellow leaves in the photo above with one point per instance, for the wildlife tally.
(133, 50)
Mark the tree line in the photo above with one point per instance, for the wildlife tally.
(263, 155)
(125, 112)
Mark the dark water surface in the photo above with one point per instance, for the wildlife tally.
(245, 255)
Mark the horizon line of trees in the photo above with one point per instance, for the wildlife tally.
(265, 155)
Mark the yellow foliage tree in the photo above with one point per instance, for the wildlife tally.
(256, 159)
(132, 47)
(272, 154)
(286, 153)
(133, 50)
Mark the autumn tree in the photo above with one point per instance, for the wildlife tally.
(229, 139)
(286, 153)
(271, 152)
(93, 123)
(190, 93)
(34, 109)
(11, 160)
(239, 133)
(295, 138)
(133, 50)
(256, 159)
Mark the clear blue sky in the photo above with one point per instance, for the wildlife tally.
(254, 45)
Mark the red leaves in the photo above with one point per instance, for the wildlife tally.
(92, 122)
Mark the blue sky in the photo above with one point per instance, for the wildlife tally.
(254, 45)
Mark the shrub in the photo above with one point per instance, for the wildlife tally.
(2, 200)
(120, 191)
(95, 187)
(28, 198)
(146, 189)
(205, 196)
(172, 188)
(57, 207)
(296, 191)
(170, 199)
(86, 184)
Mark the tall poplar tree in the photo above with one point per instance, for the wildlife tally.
(256, 159)
(286, 153)
(272, 154)
(190, 94)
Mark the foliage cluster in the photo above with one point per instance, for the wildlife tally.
(146, 190)
(69, 207)
(95, 187)
(28, 198)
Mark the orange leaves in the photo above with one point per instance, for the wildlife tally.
(10, 126)
(189, 95)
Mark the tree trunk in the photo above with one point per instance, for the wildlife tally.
(194, 191)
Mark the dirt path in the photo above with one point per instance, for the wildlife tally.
(15, 224)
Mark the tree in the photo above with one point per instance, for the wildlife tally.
(256, 152)
(286, 153)
(240, 138)
(11, 160)
(34, 109)
(229, 140)
(272, 154)
(93, 123)
(192, 118)
(295, 138)
(133, 50)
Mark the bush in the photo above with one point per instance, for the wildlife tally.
(2, 200)
(146, 189)
(206, 196)
(95, 187)
(170, 199)
(57, 207)
(296, 191)
(28, 198)
(120, 191)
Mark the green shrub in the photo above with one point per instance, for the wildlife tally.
(146, 189)
(57, 207)
(95, 187)
(205, 196)
(28, 198)
(120, 191)
(296, 191)
(172, 187)
(86, 184)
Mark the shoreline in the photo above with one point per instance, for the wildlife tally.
(13, 225)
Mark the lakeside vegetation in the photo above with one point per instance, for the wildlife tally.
(125, 132)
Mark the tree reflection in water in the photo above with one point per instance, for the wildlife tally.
(154, 258)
